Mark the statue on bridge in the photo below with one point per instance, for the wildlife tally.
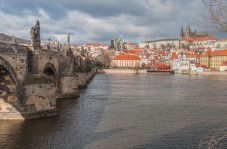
(35, 35)
(69, 50)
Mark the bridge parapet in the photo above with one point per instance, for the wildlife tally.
(12, 48)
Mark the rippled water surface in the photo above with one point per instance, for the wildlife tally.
(128, 111)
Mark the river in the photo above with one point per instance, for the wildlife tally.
(128, 111)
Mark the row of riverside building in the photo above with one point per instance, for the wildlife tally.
(180, 60)
(193, 52)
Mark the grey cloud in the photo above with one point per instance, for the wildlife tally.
(102, 20)
(56, 8)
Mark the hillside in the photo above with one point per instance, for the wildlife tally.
(6, 38)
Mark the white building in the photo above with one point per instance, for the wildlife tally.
(176, 66)
(145, 59)
(157, 44)
(223, 66)
(221, 44)
(204, 42)
(184, 66)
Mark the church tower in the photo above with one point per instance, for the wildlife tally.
(182, 33)
(187, 32)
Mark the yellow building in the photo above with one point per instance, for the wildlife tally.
(213, 59)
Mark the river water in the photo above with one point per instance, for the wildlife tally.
(128, 111)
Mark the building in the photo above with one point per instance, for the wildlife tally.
(184, 66)
(163, 44)
(94, 46)
(188, 33)
(129, 45)
(116, 44)
(223, 66)
(213, 59)
(193, 39)
(126, 61)
(221, 44)
(176, 65)
(205, 42)
(200, 67)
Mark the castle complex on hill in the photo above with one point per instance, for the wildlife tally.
(188, 33)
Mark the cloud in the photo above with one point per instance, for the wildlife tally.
(100, 20)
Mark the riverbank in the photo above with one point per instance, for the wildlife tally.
(212, 73)
(131, 71)
(121, 71)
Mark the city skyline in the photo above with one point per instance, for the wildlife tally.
(101, 21)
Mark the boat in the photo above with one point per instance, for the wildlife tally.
(160, 71)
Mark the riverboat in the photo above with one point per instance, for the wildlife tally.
(160, 71)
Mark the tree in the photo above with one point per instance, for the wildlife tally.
(163, 46)
(154, 46)
(168, 46)
(216, 14)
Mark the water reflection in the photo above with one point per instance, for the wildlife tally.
(8, 130)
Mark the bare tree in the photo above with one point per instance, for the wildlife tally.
(216, 14)
(215, 139)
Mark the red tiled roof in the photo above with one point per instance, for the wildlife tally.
(201, 38)
(192, 55)
(215, 53)
(126, 57)
(157, 57)
(148, 55)
(164, 53)
(134, 51)
(174, 55)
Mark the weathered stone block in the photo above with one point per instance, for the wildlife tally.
(12, 99)
(40, 96)
(68, 87)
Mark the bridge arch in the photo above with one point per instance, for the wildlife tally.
(11, 89)
(51, 71)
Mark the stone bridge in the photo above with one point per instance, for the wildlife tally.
(32, 78)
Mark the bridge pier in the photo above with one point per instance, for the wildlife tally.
(90, 75)
(40, 100)
(68, 87)
(85, 78)
(82, 80)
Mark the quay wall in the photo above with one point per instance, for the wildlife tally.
(212, 73)
(121, 71)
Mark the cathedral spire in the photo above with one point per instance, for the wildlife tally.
(182, 33)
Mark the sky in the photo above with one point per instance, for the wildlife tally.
(99, 21)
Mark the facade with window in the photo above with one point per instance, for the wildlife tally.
(201, 42)
(126, 61)
(213, 59)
